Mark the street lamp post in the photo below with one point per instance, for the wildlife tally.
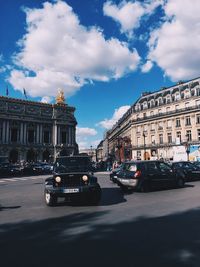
(187, 147)
(144, 136)
(118, 147)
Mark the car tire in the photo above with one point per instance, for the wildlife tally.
(180, 182)
(95, 197)
(144, 187)
(50, 200)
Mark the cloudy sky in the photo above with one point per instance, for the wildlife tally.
(103, 54)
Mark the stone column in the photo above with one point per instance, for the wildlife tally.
(38, 133)
(58, 135)
(4, 132)
(21, 132)
(41, 134)
(25, 133)
(7, 132)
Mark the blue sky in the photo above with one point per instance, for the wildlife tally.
(103, 54)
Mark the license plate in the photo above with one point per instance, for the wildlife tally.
(71, 190)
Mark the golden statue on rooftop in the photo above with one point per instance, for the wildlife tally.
(60, 98)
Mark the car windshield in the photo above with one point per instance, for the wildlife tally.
(72, 164)
(132, 167)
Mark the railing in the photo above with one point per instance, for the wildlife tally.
(158, 145)
(167, 113)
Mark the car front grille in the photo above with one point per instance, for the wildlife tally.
(71, 180)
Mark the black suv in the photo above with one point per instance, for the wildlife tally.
(144, 175)
(72, 179)
(191, 171)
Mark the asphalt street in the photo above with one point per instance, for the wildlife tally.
(159, 228)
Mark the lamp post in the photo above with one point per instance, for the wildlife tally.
(187, 147)
(118, 147)
(144, 136)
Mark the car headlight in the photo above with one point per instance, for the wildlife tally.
(58, 179)
(85, 178)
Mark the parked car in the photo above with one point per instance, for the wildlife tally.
(113, 174)
(146, 175)
(191, 171)
(15, 169)
(72, 179)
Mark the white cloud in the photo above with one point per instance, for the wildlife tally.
(175, 45)
(128, 14)
(83, 137)
(46, 99)
(58, 52)
(85, 132)
(118, 113)
(147, 66)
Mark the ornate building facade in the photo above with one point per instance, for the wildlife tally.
(159, 124)
(35, 131)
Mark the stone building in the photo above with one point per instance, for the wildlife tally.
(159, 124)
(34, 131)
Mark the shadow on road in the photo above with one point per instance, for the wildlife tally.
(80, 240)
(7, 208)
(111, 196)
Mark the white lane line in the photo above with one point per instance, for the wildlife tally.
(35, 178)
(11, 179)
(22, 179)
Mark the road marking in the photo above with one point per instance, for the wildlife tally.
(19, 179)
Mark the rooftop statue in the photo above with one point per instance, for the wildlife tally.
(60, 98)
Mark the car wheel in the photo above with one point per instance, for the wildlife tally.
(144, 187)
(180, 182)
(50, 200)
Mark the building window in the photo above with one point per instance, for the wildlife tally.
(161, 138)
(138, 154)
(198, 118)
(145, 127)
(187, 94)
(63, 137)
(14, 134)
(198, 91)
(151, 113)
(178, 122)
(178, 135)
(144, 115)
(176, 107)
(30, 136)
(169, 138)
(46, 137)
(160, 125)
(198, 134)
(169, 123)
(160, 101)
(177, 96)
(187, 121)
(189, 135)
(138, 141)
(160, 111)
(197, 103)
(187, 104)
(168, 109)
(168, 99)
(153, 139)
(152, 126)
